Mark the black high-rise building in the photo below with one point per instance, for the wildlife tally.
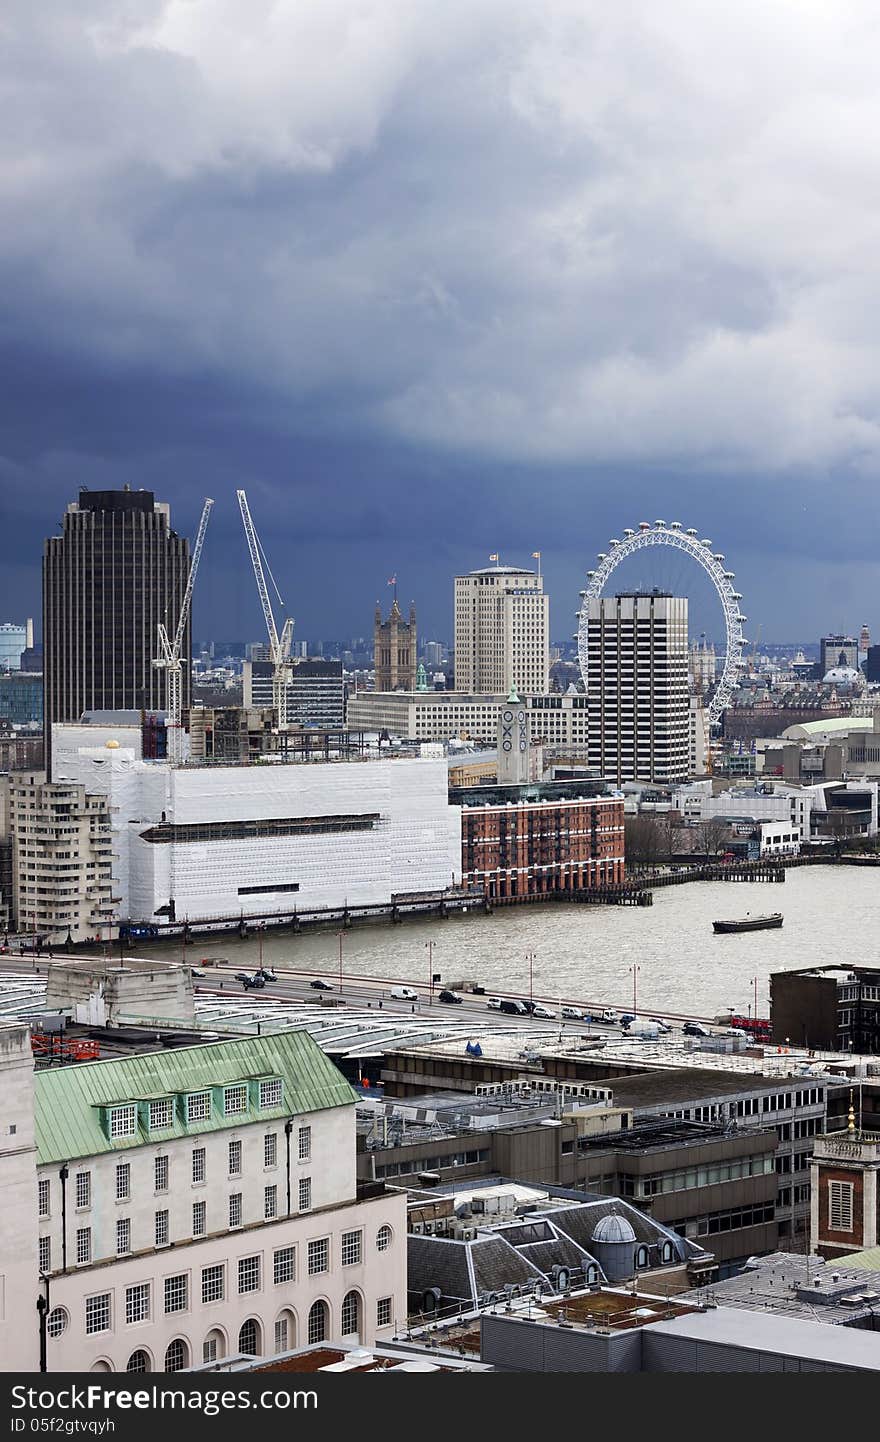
(114, 573)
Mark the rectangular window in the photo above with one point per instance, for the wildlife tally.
(235, 1159)
(305, 1143)
(383, 1312)
(284, 1265)
(162, 1229)
(83, 1245)
(209, 1349)
(212, 1284)
(351, 1248)
(161, 1114)
(270, 1149)
(123, 1182)
(198, 1165)
(177, 1293)
(198, 1107)
(83, 1189)
(43, 1198)
(98, 1313)
(305, 1193)
(270, 1094)
(840, 1206)
(319, 1256)
(281, 1335)
(123, 1121)
(234, 1100)
(270, 1202)
(160, 1172)
(123, 1236)
(137, 1303)
(45, 1253)
(235, 1209)
(248, 1274)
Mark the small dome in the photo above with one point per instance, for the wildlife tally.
(613, 1228)
(112, 745)
(842, 676)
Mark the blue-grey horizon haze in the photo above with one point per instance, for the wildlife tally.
(432, 283)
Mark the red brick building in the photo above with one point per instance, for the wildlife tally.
(525, 842)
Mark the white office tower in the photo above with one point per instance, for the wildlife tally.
(502, 632)
(637, 685)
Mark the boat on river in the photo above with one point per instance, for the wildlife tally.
(750, 923)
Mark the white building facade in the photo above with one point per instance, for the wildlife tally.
(554, 720)
(637, 683)
(502, 631)
(62, 860)
(250, 840)
(182, 1206)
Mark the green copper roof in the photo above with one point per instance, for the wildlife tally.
(867, 1261)
(71, 1102)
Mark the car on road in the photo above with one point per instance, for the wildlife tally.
(514, 1008)
(404, 993)
(571, 1013)
(694, 1028)
(254, 983)
(195, 971)
(451, 998)
(543, 1011)
(267, 975)
(662, 1026)
(494, 1003)
(626, 1017)
(242, 976)
(320, 985)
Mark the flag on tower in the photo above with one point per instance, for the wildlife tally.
(392, 580)
(494, 556)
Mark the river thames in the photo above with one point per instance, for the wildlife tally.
(587, 953)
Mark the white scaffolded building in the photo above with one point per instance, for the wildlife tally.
(260, 839)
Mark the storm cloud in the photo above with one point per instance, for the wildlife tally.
(439, 280)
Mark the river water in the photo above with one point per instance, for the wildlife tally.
(587, 953)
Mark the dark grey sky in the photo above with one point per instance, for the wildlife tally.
(437, 281)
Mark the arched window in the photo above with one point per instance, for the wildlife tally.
(383, 1239)
(592, 1275)
(351, 1314)
(249, 1337)
(56, 1322)
(214, 1346)
(285, 1332)
(668, 1252)
(641, 1256)
(177, 1356)
(100, 1366)
(318, 1322)
(138, 1361)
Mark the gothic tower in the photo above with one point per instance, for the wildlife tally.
(395, 649)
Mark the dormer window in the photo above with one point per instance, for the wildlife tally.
(234, 1100)
(123, 1121)
(161, 1114)
(270, 1093)
(198, 1106)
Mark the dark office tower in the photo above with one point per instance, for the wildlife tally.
(114, 573)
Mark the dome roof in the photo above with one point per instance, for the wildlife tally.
(613, 1228)
(842, 675)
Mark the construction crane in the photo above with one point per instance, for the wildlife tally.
(279, 646)
(170, 658)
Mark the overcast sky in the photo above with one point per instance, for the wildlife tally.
(438, 280)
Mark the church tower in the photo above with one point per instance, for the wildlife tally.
(395, 649)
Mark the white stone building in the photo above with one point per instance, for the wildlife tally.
(62, 860)
(174, 1207)
(554, 720)
(256, 839)
(502, 631)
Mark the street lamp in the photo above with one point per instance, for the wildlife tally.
(340, 935)
(530, 958)
(635, 976)
(429, 947)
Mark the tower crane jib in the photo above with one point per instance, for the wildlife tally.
(279, 646)
(170, 658)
